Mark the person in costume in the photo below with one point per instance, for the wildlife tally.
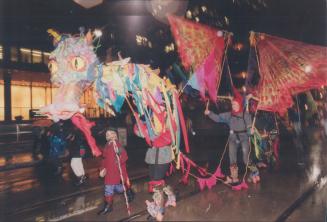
(114, 170)
(240, 124)
(78, 146)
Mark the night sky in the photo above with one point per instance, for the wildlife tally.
(24, 23)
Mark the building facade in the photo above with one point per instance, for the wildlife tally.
(25, 84)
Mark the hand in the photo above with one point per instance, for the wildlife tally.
(103, 172)
(206, 112)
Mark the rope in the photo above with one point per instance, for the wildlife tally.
(122, 178)
(222, 157)
(247, 164)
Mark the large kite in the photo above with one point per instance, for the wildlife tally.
(286, 68)
(201, 48)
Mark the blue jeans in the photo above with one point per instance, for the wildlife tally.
(111, 189)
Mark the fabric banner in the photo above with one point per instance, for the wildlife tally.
(201, 48)
(287, 67)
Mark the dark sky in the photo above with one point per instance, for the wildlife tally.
(24, 22)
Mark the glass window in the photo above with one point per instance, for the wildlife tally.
(13, 54)
(38, 97)
(1, 52)
(2, 103)
(20, 101)
(46, 57)
(26, 55)
(48, 96)
(37, 56)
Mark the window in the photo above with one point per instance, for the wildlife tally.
(2, 103)
(1, 52)
(46, 57)
(20, 101)
(13, 54)
(26, 55)
(38, 97)
(37, 56)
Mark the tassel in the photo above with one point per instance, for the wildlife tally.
(210, 182)
(218, 173)
(202, 183)
(184, 180)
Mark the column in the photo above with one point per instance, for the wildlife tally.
(7, 94)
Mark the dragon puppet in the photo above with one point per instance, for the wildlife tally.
(154, 101)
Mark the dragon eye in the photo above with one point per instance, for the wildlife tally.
(53, 66)
(78, 63)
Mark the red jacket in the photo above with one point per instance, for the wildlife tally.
(110, 163)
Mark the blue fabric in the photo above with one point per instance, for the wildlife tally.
(57, 146)
(194, 83)
(110, 190)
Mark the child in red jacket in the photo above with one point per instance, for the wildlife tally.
(112, 171)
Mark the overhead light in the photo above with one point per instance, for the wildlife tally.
(88, 3)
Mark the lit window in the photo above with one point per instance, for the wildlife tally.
(46, 56)
(13, 54)
(2, 103)
(37, 56)
(1, 52)
(26, 55)
(20, 101)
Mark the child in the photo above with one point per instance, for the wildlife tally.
(112, 170)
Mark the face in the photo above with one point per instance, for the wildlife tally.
(235, 106)
(111, 135)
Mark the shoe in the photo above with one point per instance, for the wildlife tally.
(130, 195)
(81, 180)
(107, 208)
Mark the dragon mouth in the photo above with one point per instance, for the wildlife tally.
(66, 102)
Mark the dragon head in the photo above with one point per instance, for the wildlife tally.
(73, 69)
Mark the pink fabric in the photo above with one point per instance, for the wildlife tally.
(211, 181)
(207, 77)
(218, 173)
(241, 186)
(211, 75)
(202, 183)
(85, 126)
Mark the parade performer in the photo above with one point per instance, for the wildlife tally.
(114, 171)
(78, 146)
(240, 123)
(158, 159)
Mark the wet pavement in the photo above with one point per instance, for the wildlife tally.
(32, 194)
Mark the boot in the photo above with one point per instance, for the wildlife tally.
(234, 174)
(130, 195)
(171, 196)
(154, 183)
(107, 208)
(254, 174)
(81, 180)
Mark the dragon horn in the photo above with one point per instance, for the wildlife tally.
(55, 35)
